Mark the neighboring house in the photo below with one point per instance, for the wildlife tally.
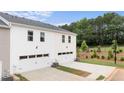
(28, 45)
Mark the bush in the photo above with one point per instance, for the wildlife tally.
(110, 54)
(109, 57)
(120, 50)
(86, 57)
(99, 49)
(91, 50)
(103, 57)
(116, 51)
(84, 46)
(122, 59)
(92, 56)
(98, 57)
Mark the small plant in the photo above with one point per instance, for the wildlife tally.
(92, 56)
(94, 53)
(78, 52)
(86, 57)
(98, 57)
(122, 59)
(117, 51)
(120, 50)
(84, 46)
(91, 50)
(99, 48)
(102, 57)
(109, 58)
(110, 54)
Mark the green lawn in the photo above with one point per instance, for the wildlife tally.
(101, 77)
(109, 63)
(73, 71)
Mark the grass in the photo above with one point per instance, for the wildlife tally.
(101, 77)
(109, 63)
(21, 77)
(73, 71)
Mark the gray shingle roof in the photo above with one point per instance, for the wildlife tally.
(30, 22)
(2, 23)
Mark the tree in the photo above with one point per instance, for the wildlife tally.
(100, 30)
(114, 47)
(84, 46)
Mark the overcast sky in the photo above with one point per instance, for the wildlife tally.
(59, 17)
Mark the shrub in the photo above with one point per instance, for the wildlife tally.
(122, 59)
(110, 55)
(91, 50)
(120, 50)
(98, 57)
(103, 57)
(84, 46)
(94, 54)
(78, 52)
(99, 49)
(86, 57)
(116, 51)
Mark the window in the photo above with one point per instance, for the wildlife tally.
(30, 35)
(64, 53)
(63, 38)
(59, 53)
(31, 56)
(42, 36)
(40, 55)
(23, 57)
(46, 55)
(69, 39)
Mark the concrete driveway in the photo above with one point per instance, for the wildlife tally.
(52, 74)
(96, 70)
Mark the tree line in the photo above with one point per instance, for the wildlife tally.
(100, 30)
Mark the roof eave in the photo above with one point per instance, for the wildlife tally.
(47, 29)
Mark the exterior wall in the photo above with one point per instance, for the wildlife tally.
(52, 46)
(5, 50)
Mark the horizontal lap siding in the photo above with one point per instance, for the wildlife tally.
(21, 47)
(5, 50)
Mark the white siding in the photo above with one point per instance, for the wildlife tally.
(52, 45)
(5, 50)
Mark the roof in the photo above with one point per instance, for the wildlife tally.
(22, 20)
(2, 23)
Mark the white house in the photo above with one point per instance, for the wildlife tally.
(28, 44)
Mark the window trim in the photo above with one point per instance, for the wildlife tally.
(63, 38)
(69, 39)
(30, 35)
(42, 36)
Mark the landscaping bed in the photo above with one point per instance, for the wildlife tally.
(73, 71)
